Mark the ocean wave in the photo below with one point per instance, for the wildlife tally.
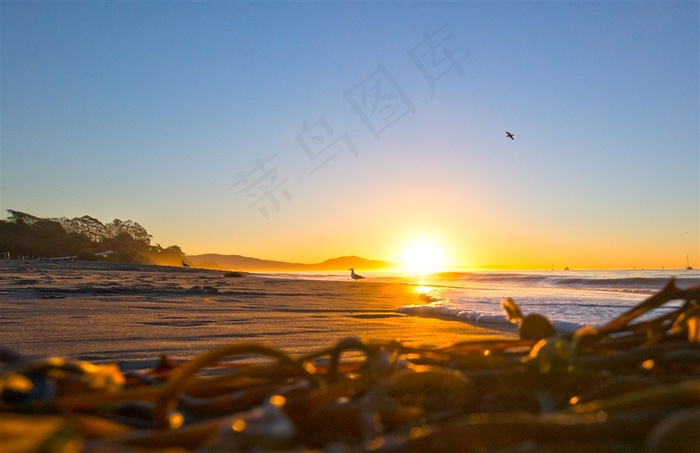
(441, 310)
(642, 282)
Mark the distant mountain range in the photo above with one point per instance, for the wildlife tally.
(245, 263)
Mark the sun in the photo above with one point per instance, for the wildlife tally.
(423, 257)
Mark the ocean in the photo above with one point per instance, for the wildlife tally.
(570, 299)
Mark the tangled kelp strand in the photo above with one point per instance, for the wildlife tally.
(631, 385)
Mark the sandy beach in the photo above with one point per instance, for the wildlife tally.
(132, 314)
(468, 398)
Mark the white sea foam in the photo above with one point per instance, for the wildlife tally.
(570, 299)
(471, 316)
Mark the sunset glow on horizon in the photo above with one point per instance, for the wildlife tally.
(303, 132)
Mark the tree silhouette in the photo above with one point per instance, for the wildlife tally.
(24, 234)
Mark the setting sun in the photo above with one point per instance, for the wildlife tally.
(423, 257)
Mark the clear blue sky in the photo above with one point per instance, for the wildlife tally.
(306, 131)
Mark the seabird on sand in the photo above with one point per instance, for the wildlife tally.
(510, 136)
(185, 264)
(353, 275)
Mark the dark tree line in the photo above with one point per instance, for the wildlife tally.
(23, 234)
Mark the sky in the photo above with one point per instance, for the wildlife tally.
(307, 131)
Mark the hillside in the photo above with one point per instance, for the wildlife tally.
(245, 263)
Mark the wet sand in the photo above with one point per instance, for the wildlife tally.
(132, 314)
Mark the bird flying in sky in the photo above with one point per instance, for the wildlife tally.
(510, 136)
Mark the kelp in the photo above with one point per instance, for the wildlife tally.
(631, 385)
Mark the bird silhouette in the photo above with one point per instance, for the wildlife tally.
(510, 136)
(353, 275)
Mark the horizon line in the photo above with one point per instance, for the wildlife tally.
(447, 268)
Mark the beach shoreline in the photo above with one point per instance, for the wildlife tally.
(507, 392)
(132, 314)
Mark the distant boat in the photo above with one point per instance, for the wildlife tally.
(687, 264)
(185, 264)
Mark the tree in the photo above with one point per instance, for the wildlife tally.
(170, 256)
(25, 234)
(92, 228)
(22, 217)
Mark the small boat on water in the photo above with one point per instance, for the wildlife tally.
(687, 264)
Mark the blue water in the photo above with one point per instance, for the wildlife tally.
(570, 299)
